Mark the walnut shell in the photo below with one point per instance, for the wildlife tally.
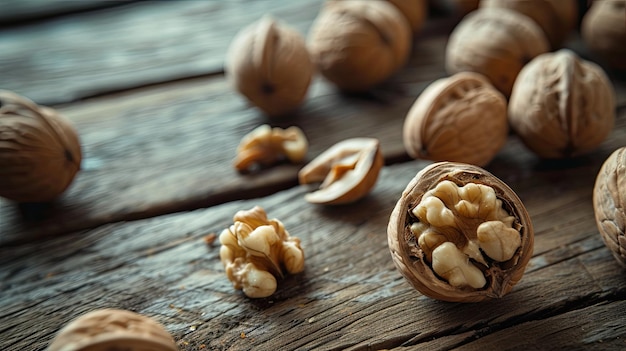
(461, 118)
(557, 18)
(40, 151)
(358, 44)
(269, 64)
(412, 258)
(496, 43)
(561, 105)
(609, 203)
(604, 31)
(415, 12)
(112, 329)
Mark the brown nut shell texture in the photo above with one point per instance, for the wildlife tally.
(496, 43)
(113, 329)
(461, 118)
(269, 64)
(562, 106)
(347, 171)
(358, 44)
(415, 12)
(604, 31)
(557, 18)
(40, 151)
(460, 234)
(609, 203)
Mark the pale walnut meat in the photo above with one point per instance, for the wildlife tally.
(461, 118)
(496, 43)
(265, 146)
(604, 31)
(562, 106)
(460, 234)
(609, 203)
(557, 18)
(113, 329)
(358, 44)
(347, 171)
(269, 64)
(257, 251)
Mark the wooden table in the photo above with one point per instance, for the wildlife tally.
(143, 83)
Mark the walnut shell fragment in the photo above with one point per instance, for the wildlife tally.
(40, 151)
(113, 329)
(358, 44)
(265, 146)
(557, 18)
(604, 31)
(256, 251)
(562, 106)
(461, 118)
(348, 171)
(609, 203)
(460, 234)
(269, 64)
(496, 43)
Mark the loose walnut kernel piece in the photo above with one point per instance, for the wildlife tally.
(266, 146)
(255, 251)
(349, 170)
(460, 234)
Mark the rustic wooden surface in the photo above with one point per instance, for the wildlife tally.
(159, 125)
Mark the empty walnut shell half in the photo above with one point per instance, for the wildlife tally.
(461, 118)
(113, 329)
(40, 152)
(496, 43)
(561, 105)
(269, 64)
(557, 18)
(358, 44)
(609, 203)
(604, 31)
(460, 234)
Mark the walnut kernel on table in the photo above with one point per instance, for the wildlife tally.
(461, 118)
(496, 43)
(562, 105)
(269, 64)
(265, 146)
(609, 203)
(256, 251)
(40, 152)
(113, 329)
(460, 234)
(358, 44)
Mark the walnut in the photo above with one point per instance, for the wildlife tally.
(604, 31)
(256, 251)
(460, 234)
(461, 118)
(609, 203)
(557, 18)
(268, 63)
(415, 12)
(40, 151)
(265, 146)
(358, 44)
(496, 43)
(562, 106)
(113, 329)
(348, 171)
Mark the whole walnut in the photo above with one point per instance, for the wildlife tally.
(496, 43)
(415, 12)
(561, 105)
(358, 44)
(461, 118)
(604, 31)
(269, 64)
(40, 151)
(557, 18)
(609, 203)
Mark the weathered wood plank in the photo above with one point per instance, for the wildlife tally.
(19, 11)
(349, 297)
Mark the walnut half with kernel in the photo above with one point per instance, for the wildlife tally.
(460, 234)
